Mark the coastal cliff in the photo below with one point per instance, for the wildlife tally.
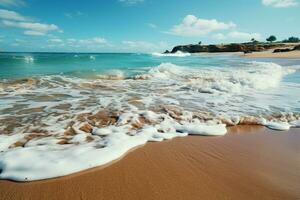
(233, 47)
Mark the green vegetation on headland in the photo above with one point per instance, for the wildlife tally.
(246, 47)
(271, 39)
(291, 40)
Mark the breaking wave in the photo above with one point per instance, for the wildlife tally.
(57, 125)
(177, 54)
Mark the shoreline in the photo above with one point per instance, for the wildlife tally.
(263, 54)
(270, 54)
(250, 162)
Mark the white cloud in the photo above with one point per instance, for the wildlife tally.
(152, 25)
(13, 19)
(100, 44)
(93, 41)
(131, 2)
(74, 14)
(81, 43)
(32, 28)
(12, 3)
(193, 26)
(71, 40)
(143, 46)
(219, 36)
(134, 44)
(34, 33)
(237, 36)
(11, 15)
(244, 35)
(56, 40)
(19, 40)
(280, 3)
(15, 44)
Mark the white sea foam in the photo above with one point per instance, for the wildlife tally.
(280, 126)
(58, 130)
(53, 160)
(28, 59)
(177, 54)
(112, 75)
(295, 124)
(256, 75)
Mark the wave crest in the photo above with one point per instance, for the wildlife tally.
(177, 54)
(255, 75)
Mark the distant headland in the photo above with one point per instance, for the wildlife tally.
(288, 45)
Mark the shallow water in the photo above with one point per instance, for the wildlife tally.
(70, 112)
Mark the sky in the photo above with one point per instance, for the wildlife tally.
(140, 25)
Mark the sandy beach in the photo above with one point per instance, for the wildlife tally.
(251, 162)
(270, 54)
(149, 100)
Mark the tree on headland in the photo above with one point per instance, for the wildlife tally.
(200, 43)
(292, 40)
(271, 39)
(254, 41)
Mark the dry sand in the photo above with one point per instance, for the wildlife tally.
(251, 162)
(270, 54)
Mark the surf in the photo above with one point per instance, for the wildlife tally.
(83, 120)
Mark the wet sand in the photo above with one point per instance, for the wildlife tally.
(251, 162)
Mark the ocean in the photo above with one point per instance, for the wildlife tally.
(62, 113)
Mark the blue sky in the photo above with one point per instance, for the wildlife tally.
(140, 25)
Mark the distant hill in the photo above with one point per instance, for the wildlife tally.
(233, 47)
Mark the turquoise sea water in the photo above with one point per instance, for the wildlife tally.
(226, 74)
(20, 65)
(69, 112)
